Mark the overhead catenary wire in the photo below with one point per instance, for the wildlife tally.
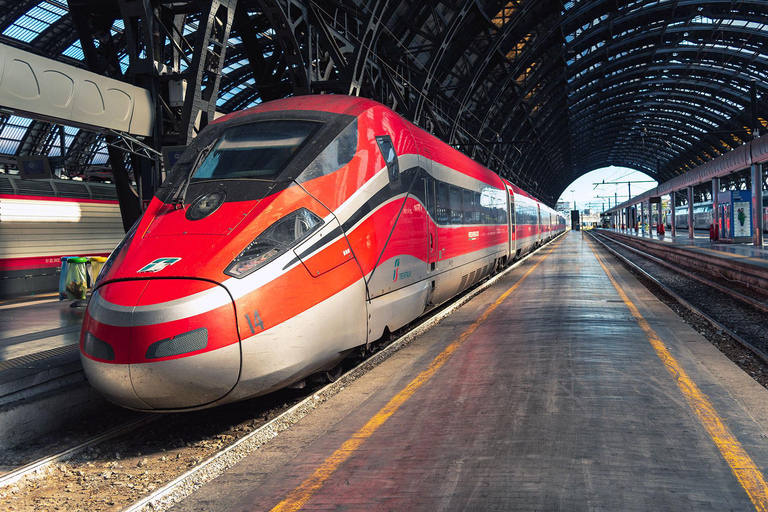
(404, 80)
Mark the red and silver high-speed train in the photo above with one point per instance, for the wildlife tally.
(285, 237)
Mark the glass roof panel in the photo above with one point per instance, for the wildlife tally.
(12, 132)
(75, 51)
(30, 25)
(100, 154)
(70, 133)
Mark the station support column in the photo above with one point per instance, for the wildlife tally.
(649, 209)
(672, 219)
(715, 193)
(660, 220)
(690, 212)
(642, 217)
(757, 203)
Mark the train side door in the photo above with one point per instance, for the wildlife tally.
(426, 163)
(512, 224)
(538, 225)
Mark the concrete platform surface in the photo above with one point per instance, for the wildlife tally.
(34, 326)
(549, 394)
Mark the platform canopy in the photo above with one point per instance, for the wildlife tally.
(540, 91)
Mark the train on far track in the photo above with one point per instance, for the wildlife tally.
(703, 215)
(42, 221)
(287, 237)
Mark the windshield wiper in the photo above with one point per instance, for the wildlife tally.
(181, 193)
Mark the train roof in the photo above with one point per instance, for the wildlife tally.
(331, 103)
(519, 191)
(346, 105)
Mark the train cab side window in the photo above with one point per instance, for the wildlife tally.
(335, 156)
(431, 199)
(390, 157)
(419, 189)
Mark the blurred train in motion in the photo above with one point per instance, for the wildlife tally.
(42, 221)
(287, 237)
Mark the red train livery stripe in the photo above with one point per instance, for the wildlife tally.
(37, 262)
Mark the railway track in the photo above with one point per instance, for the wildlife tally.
(740, 315)
(152, 462)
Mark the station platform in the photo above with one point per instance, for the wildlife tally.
(42, 384)
(30, 327)
(566, 386)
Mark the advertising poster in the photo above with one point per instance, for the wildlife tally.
(742, 221)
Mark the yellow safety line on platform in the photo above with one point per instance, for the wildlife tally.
(314, 483)
(741, 464)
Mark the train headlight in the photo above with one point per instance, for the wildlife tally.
(273, 241)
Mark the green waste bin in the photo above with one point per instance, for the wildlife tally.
(77, 280)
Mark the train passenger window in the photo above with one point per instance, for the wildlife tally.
(477, 211)
(468, 207)
(457, 215)
(335, 156)
(254, 151)
(390, 157)
(501, 215)
(443, 207)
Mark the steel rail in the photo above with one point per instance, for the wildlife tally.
(43, 463)
(737, 295)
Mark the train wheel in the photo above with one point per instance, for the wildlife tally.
(334, 374)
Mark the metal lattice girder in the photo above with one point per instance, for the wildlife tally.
(662, 86)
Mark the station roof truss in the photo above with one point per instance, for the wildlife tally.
(541, 91)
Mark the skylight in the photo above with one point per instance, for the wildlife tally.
(35, 21)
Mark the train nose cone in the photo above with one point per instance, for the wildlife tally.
(176, 347)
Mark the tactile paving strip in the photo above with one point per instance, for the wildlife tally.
(31, 358)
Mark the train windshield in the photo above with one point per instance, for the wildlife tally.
(254, 151)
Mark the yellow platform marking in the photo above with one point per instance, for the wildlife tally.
(743, 467)
(299, 496)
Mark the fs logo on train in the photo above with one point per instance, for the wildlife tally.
(158, 265)
(397, 267)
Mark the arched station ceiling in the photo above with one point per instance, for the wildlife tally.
(541, 91)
